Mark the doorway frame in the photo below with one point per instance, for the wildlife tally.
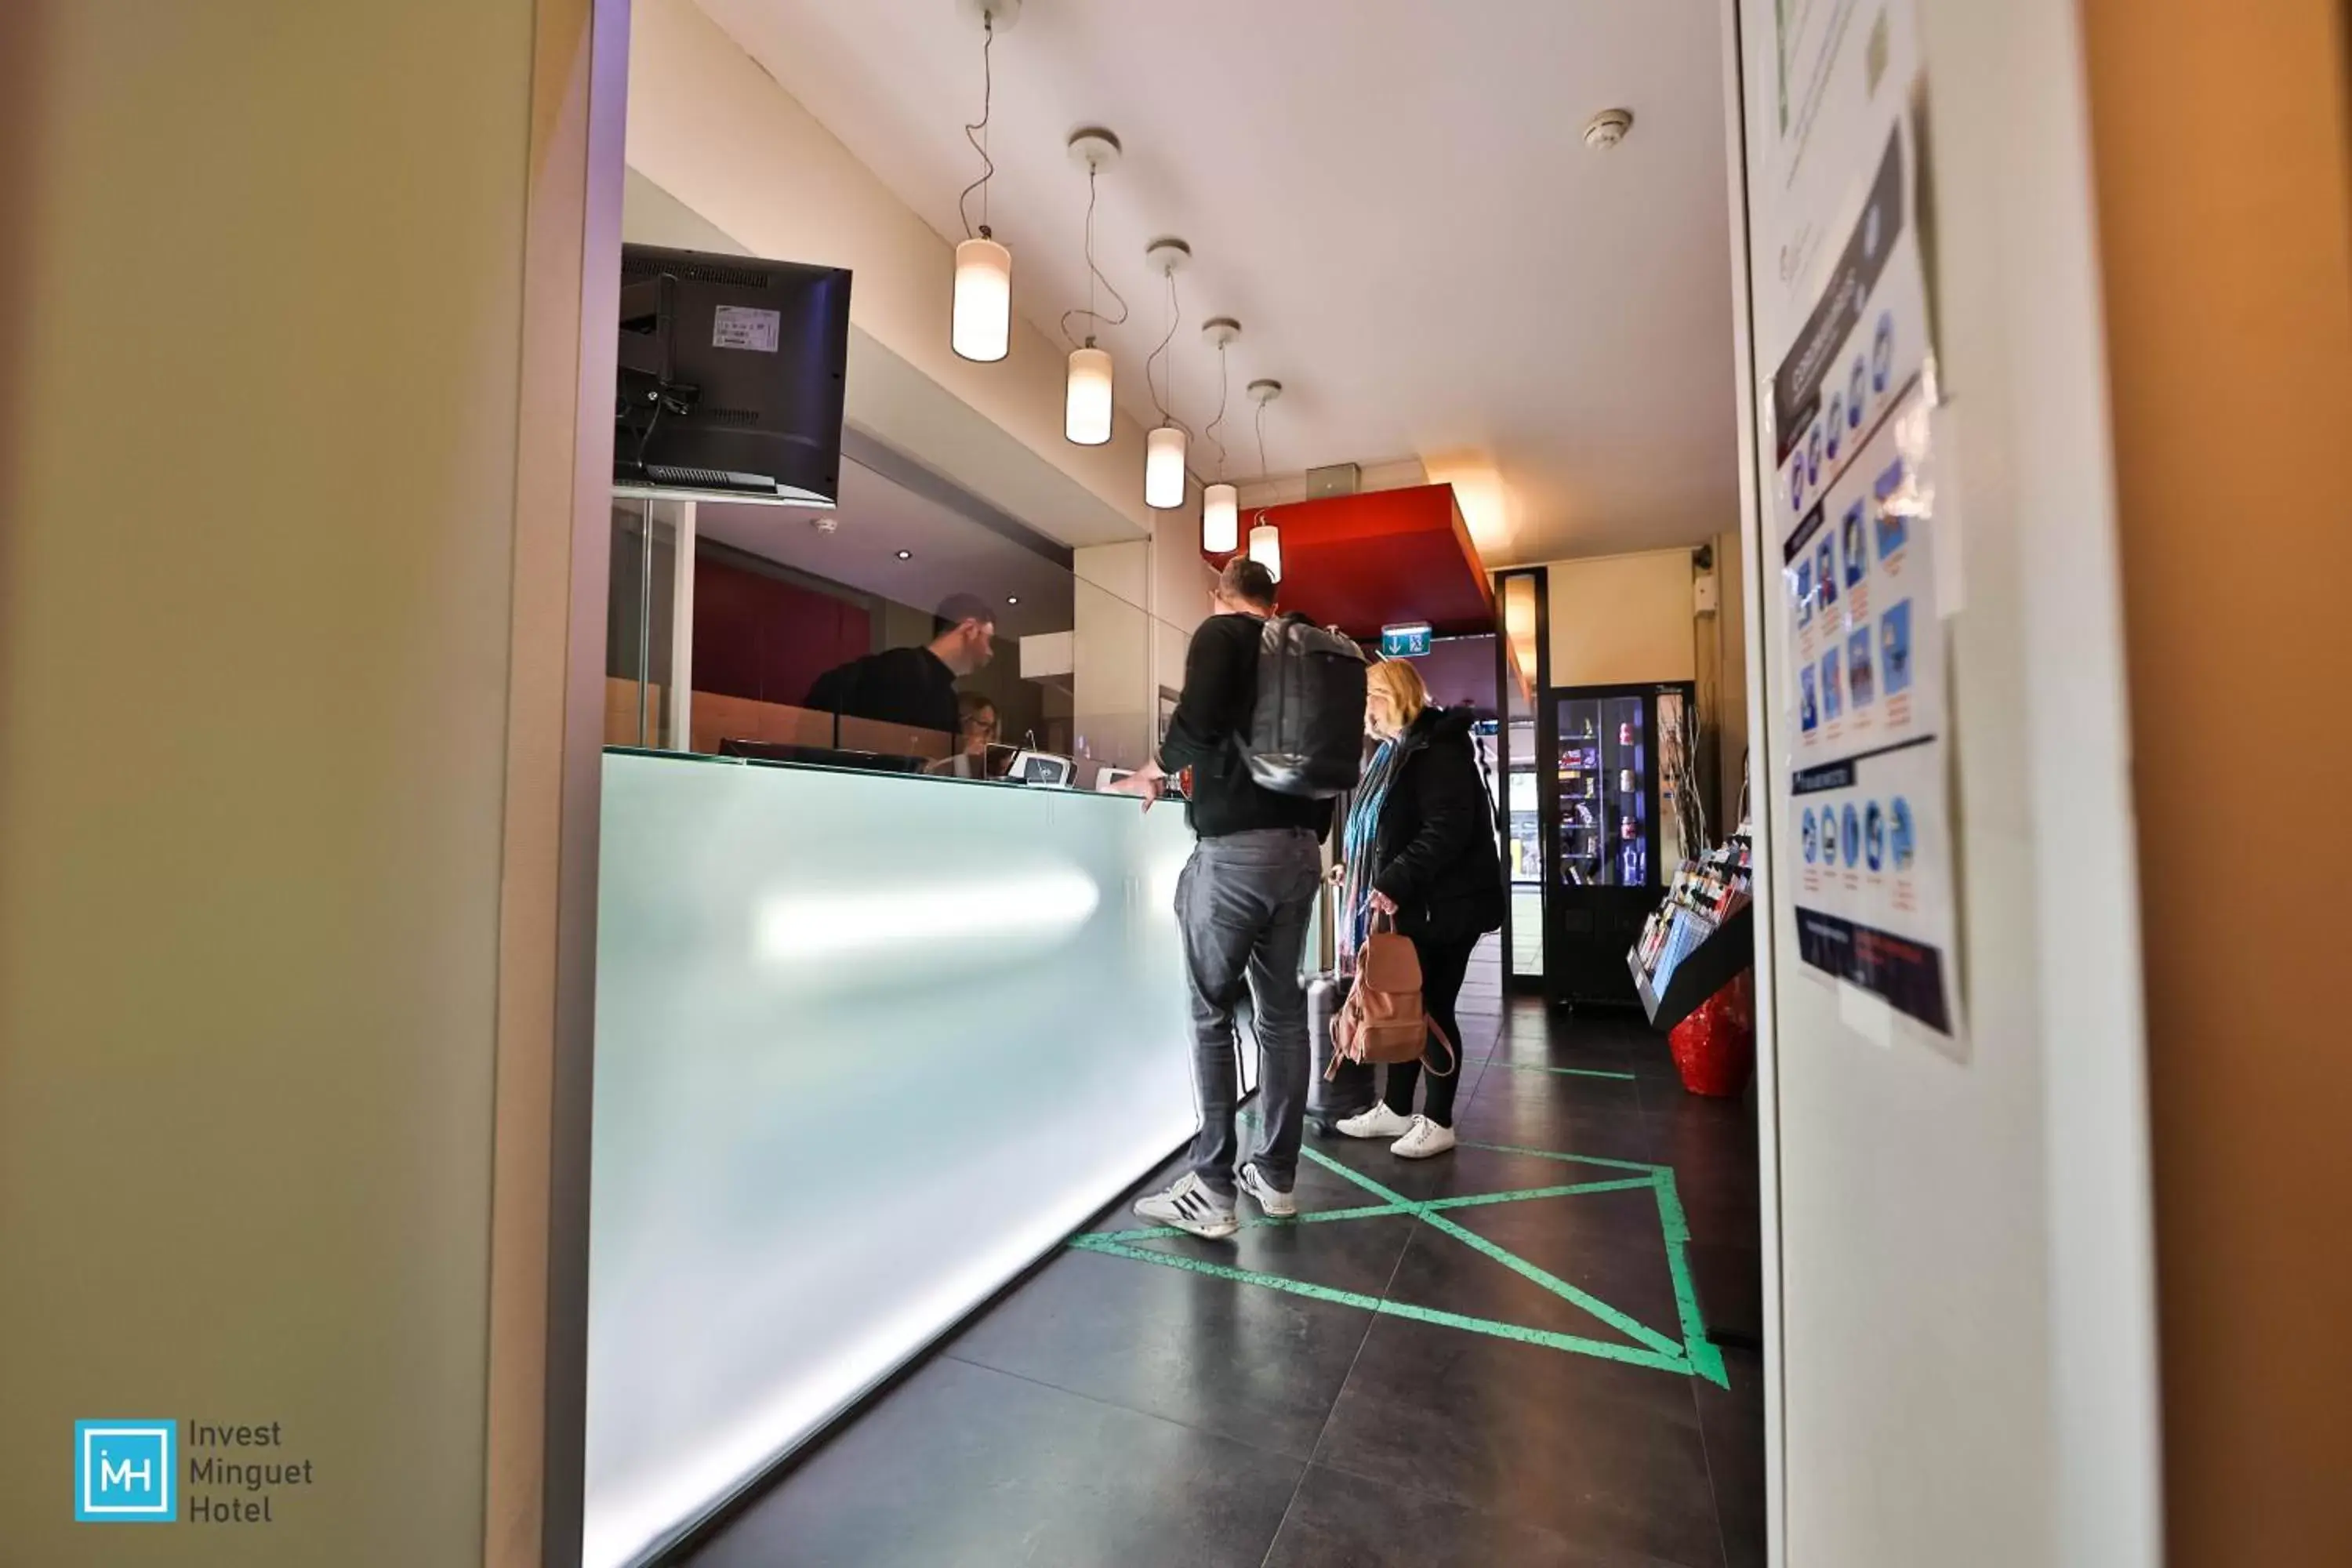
(1547, 806)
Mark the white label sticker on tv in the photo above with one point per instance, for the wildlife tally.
(744, 327)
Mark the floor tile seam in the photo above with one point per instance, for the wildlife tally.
(1501, 1515)
(1707, 1458)
(1126, 1408)
(1323, 1432)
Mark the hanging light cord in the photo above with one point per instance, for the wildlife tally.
(1175, 320)
(1262, 469)
(1225, 390)
(977, 134)
(1094, 275)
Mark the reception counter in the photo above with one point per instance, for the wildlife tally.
(866, 1046)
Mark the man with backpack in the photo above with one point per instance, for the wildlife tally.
(1269, 723)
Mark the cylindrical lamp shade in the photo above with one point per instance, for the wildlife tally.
(1221, 520)
(1163, 469)
(1266, 549)
(1085, 408)
(982, 327)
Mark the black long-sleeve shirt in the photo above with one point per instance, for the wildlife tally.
(909, 686)
(1212, 716)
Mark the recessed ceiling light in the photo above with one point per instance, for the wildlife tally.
(905, 555)
(1011, 598)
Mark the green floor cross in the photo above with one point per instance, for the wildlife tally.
(1692, 1355)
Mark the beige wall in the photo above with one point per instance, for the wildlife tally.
(1617, 619)
(267, 417)
(1965, 1316)
(2219, 131)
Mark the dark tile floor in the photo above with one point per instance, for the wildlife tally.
(1116, 1413)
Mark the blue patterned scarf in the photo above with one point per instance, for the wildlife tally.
(1356, 846)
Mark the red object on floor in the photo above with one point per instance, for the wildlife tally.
(1714, 1048)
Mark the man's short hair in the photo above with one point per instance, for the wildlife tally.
(958, 608)
(1247, 580)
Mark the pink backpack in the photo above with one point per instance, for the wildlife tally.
(1383, 1019)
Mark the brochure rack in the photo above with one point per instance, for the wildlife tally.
(1700, 938)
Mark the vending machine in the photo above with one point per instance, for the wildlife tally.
(1615, 844)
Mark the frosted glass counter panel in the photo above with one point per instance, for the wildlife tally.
(865, 1047)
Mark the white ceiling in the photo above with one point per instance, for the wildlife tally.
(1393, 198)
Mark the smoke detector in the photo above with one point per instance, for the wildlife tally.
(1608, 128)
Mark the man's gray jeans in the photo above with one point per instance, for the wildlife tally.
(1242, 904)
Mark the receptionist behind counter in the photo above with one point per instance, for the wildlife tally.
(913, 687)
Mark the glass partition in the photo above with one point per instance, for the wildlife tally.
(898, 630)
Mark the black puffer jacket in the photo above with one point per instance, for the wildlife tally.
(1434, 852)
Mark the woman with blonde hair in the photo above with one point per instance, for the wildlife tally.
(1419, 848)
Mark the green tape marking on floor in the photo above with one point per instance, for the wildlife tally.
(1642, 1165)
(1675, 1227)
(1694, 1356)
(1386, 1308)
(1480, 1200)
(1568, 1072)
(1511, 1261)
(1383, 1210)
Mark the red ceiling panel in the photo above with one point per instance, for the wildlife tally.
(1384, 558)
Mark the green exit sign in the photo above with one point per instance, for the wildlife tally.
(1405, 642)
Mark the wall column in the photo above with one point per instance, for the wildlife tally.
(302, 543)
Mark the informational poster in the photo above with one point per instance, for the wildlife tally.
(1866, 785)
(1848, 379)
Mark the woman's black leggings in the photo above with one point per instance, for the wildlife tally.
(1444, 965)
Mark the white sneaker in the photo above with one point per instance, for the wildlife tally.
(1421, 1140)
(1191, 1205)
(1276, 1205)
(1379, 1121)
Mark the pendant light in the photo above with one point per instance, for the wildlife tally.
(1087, 398)
(1266, 547)
(1163, 469)
(981, 327)
(1163, 466)
(1265, 539)
(1221, 502)
(1221, 519)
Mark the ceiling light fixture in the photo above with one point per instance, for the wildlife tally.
(905, 555)
(1087, 402)
(1163, 463)
(1011, 598)
(981, 325)
(1221, 502)
(1265, 539)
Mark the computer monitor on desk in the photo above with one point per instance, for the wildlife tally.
(821, 756)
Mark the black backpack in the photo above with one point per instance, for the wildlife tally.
(1307, 732)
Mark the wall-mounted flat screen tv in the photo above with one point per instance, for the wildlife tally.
(731, 378)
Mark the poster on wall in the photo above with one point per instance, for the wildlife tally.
(1848, 381)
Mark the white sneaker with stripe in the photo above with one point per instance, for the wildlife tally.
(1191, 1205)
